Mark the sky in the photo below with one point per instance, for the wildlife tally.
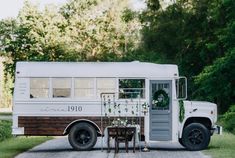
(11, 8)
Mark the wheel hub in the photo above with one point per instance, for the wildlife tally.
(82, 136)
(195, 137)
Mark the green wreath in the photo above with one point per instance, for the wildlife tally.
(181, 111)
(165, 100)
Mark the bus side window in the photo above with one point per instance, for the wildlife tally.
(105, 85)
(39, 88)
(61, 87)
(131, 88)
(84, 88)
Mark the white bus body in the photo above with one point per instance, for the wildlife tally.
(54, 98)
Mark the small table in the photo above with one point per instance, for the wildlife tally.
(121, 134)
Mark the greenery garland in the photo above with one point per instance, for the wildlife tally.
(164, 102)
(181, 111)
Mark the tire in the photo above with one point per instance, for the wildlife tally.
(181, 142)
(82, 136)
(196, 137)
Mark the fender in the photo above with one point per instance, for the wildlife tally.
(81, 120)
(186, 119)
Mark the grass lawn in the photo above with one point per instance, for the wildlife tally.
(5, 113)
(222, 146)
(13, 146)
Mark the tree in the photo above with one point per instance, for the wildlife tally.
(84, 30)
(193, 34)
(99, 33)
(36, 36)
(217, 81)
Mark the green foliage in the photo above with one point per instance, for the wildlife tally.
(164, 101)
(11, 147)
(128, 15)
(6, 97)
(5, 130)
(217, 80)
(198, 36)
(181, 111)
(228, 120)
(84, 30)
(221, 146)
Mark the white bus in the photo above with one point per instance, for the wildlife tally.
(81, 99)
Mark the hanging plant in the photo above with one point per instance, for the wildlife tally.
(132, 110)
(126, 109)
(144, 106)
(181, 110)
(164, 101)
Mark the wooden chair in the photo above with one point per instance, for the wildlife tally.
(121, 135)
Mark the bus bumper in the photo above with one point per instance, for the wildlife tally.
(218, 129)
(17, 130)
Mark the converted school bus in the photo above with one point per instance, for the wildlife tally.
(82, 98)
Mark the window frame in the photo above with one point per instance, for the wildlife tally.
(93, 89)
(71, 88)
(115, 86)
(133, 78)
(48, 85)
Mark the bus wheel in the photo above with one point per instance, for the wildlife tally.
(196, 137)
(181, 142)
(82, 136)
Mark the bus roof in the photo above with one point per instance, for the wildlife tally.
(95, 69)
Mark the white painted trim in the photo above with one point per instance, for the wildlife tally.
(95, 69)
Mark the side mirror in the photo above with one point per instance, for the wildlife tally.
(181, 88)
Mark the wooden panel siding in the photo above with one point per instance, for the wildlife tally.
(55, 126)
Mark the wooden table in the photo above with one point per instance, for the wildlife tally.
(121, 134)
